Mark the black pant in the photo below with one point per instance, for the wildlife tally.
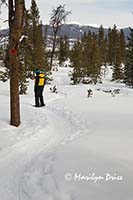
(39, 96)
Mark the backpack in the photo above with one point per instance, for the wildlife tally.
(41, 80)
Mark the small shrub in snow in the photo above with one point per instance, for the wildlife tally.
(107, 91)
(113, 94)
(54, 89)
(89, 93)
(4, 76)
(116, 91)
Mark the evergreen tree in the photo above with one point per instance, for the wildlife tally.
(76, 60)
(102, 42)
(109, 47)
(25, 56)
(33, 48)
(128, 70)
(122, 47)
(86, 59)
(37, 38)
(112, 45)
(35, 31)
(119, 56)
(4, 76)
(23, 82)
(27, 44)
(95, 61)
(91, 57)
(87, 53)
(117, 66)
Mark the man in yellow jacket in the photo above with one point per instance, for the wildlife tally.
(38, 88)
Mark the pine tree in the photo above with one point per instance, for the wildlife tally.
(33, 48)
(27, 44)
(91, 57)
(37, 42)
(128, 70)
(119, 56)
(4, 76)
(102, 42)
(76, 62)
(25, 56)
(112, 44)
(95, 61)
(23, 82)
(117, 66)
(109, 47)
(5, 60)
(35, 32)
(86, 59)
(122, 47)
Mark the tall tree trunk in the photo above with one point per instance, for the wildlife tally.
(16, 14)
(53, 49)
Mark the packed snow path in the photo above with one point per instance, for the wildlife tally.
(42, 130)
(46, 129)
(72, 134)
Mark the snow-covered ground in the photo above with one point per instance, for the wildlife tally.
(73, 148)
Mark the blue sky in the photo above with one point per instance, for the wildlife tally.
(105, 12)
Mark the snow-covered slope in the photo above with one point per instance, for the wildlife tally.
(72, 148)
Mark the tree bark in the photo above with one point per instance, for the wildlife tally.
(16, 14)
(53, 48)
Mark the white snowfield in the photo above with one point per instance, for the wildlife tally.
(74, 148)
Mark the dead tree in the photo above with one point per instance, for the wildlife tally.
(58, 17)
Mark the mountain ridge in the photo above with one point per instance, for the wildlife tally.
(72, 31)
(75, 31)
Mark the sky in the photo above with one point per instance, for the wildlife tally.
(90, 12)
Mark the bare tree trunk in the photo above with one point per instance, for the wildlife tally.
(53, 49)
(16, 14)
(58, 16)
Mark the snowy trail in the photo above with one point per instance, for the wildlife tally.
(53, 126)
